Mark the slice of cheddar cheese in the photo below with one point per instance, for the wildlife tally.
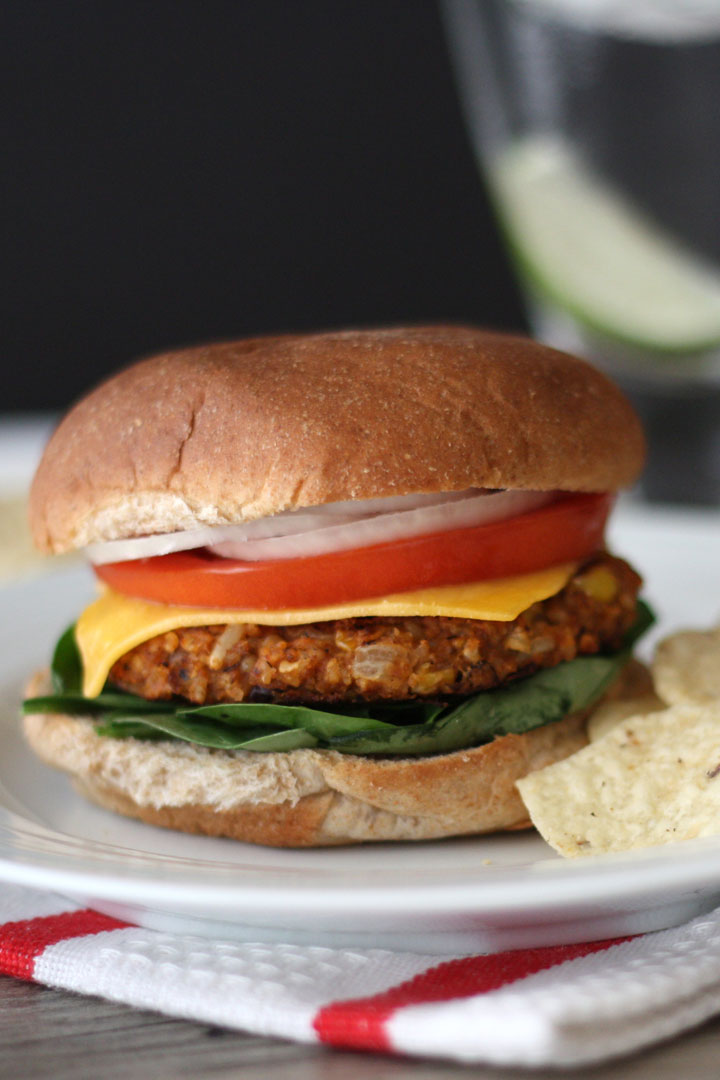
(114, 624)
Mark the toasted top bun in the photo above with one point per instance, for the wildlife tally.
(226, 433)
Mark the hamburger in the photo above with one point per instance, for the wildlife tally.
(353, 585)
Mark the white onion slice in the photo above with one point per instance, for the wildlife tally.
(335, 527)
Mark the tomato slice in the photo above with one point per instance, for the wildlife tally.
(569, 528)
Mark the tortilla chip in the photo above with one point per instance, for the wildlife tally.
(653, 779)
(686, 667)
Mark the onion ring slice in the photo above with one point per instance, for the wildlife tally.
(335, 527)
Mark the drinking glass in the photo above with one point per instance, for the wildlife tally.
(597, 127)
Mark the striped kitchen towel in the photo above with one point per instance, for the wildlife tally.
(561, 1005)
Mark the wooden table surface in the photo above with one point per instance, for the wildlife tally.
(60, 1036)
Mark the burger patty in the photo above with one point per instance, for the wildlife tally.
(371, 659)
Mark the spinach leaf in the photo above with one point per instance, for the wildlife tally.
(128, 728)
(204, 733)
(322, 724)
(107, 700)
(66, 668)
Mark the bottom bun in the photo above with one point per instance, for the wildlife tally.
(304, 798)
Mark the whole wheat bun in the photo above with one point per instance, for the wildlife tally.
(230, 432)
(309, 798)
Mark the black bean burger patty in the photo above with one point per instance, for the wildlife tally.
(384, 658)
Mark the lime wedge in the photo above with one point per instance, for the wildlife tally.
(599, 258)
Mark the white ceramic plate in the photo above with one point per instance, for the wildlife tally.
(447, 896)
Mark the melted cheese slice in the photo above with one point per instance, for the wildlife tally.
(114, 624)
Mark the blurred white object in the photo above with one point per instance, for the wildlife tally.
(22, 439)
(655, 20)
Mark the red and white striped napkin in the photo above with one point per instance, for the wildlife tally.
(562, 1005)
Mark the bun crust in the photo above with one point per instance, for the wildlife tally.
(303, 798)
(230, 432)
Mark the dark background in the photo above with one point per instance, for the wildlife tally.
(178, 171)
